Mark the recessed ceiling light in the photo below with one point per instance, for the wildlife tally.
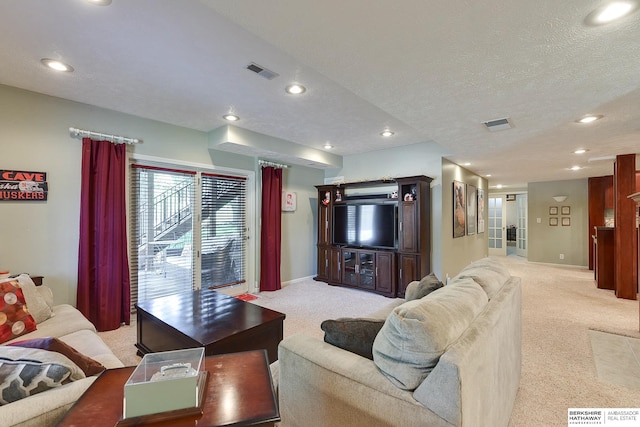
(575, 168)
(589, 119)
(466, 164)
(580, 151)
(100, 2)
(328, 146)
(54, 64)
(231, 117)
(499, 186)
(387, 133)
(611, 12)
(488, 175)
(295, 89)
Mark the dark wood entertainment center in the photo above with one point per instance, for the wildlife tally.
(386, 271)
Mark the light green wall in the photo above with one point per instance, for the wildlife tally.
(299, 257)
(546, 242)
(460, 251)
(42, 237)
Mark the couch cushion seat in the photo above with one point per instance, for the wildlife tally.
(66, 319)
(90, 344)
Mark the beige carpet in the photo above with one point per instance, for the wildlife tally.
(560, 307)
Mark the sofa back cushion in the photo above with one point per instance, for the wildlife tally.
(418, 332)
(489, 274)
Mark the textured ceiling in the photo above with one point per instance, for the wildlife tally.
(430, 71)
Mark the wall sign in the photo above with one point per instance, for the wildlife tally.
(23, 185)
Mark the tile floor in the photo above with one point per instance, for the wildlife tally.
(617, 358)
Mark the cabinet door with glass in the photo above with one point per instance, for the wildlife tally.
(358, 268)
(367, 269)
(335, 265)
(350, 267)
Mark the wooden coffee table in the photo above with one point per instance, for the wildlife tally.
(206, 318)
(239, 392)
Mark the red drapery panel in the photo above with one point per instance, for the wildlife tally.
(271, 225)
(103, 268)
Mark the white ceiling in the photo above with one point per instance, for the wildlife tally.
(430, 71)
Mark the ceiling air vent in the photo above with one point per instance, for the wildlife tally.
(498, 124)
(261, 71)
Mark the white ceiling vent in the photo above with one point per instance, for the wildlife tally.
(261, 71)
(498, 124)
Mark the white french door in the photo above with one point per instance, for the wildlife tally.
(521, 232)
(496, 229)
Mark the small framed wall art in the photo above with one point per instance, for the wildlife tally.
(553, 221)
(553, 210)
(566, 221)
(566, 210)
(459, 209)
(289, 201)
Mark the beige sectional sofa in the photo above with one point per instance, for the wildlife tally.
(66, 323)
(450, 358)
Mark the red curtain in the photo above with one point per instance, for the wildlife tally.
(103, 268)
(271, 225)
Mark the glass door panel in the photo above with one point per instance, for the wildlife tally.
(497, 235)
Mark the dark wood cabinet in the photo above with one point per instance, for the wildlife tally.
(371, 270)
(414, 245)
(408, 271)
(383, 270)
(359, 268)
(385, 273)
(604, 261)
(408, 241)
(335, 264)
(323, 262)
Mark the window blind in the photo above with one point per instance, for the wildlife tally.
(162, 221)
(223, 230)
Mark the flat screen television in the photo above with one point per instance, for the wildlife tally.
(368, 225)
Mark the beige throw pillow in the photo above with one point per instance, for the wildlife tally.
(36, 304)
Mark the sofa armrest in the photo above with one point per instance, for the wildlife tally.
(323, 385)
(46, 408)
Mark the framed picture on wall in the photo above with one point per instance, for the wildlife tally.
(566, 221)
(553, 210)
(566, 210)
(472, 209)
(480, 210)
(553, 221)
(459, 209)
(289, 201)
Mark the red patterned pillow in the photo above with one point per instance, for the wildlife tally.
(15, 319)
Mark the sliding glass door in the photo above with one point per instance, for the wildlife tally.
(188, 230)
(223, 229)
